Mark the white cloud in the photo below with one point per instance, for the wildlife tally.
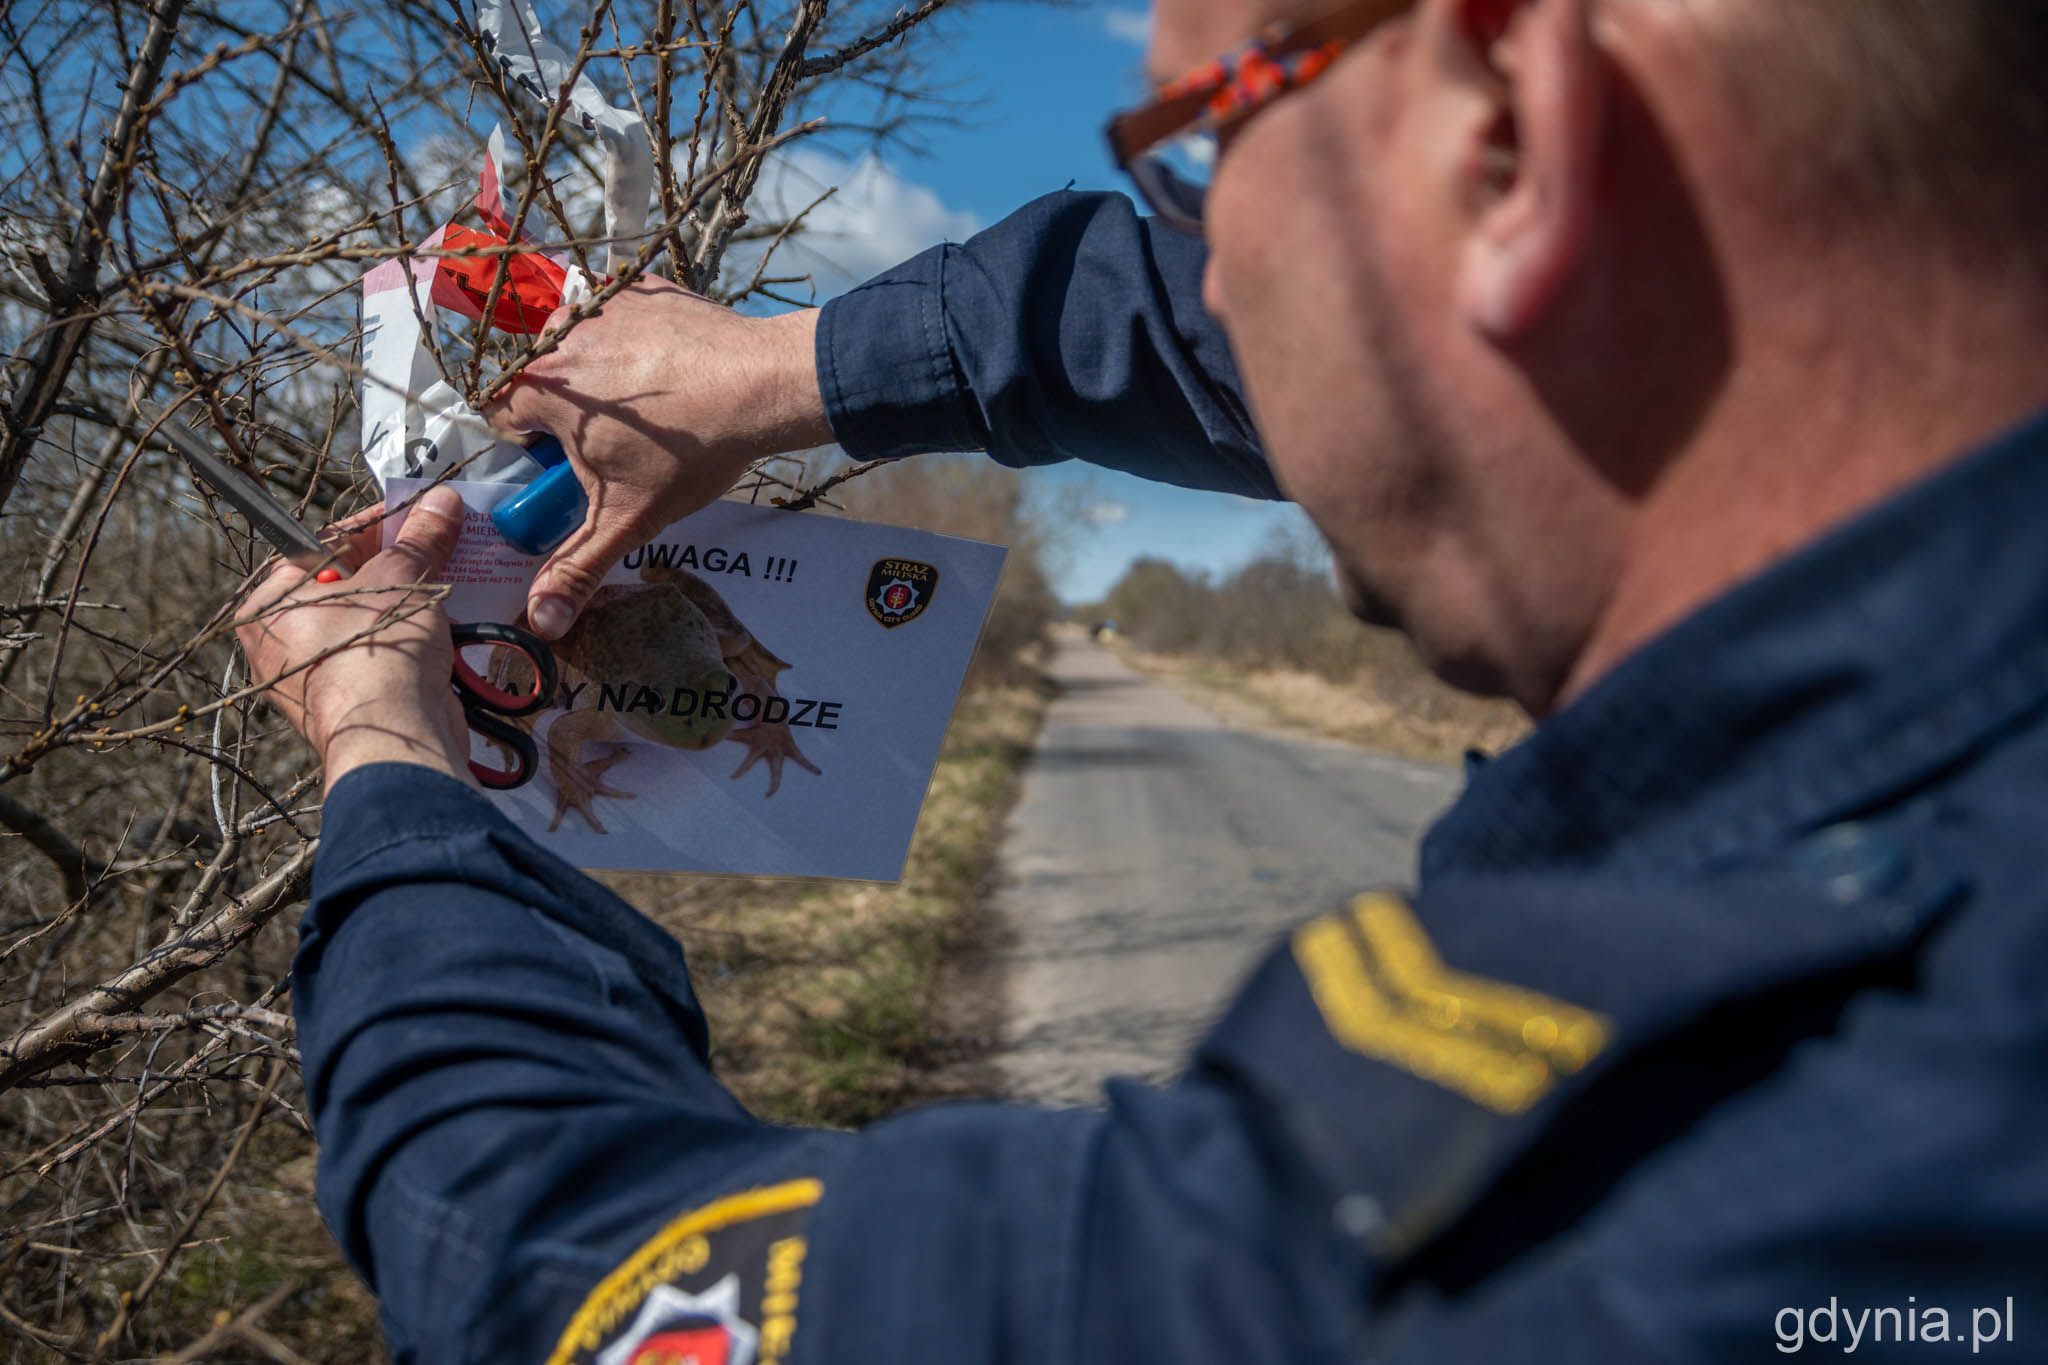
(874, 219)
(1129, 25)
(1107, 512)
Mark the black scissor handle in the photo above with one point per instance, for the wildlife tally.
(513, 740)
(479, 691)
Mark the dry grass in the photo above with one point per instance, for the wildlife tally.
(1393, 706)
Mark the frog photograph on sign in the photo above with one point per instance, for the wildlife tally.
(665, 662)
(726, 703)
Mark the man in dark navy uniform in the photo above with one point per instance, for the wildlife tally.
(1672, 366)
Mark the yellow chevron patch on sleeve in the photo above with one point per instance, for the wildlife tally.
(1384, 993)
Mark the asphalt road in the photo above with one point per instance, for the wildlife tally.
(1156, 852)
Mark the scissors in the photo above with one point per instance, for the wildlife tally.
(486, 707)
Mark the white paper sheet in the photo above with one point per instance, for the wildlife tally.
(876, 625)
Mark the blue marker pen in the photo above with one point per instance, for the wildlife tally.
(541, 515)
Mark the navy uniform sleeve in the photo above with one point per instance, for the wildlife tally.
(524, 1152)
(525, 1155)
(501, 1059)
(1073, 329)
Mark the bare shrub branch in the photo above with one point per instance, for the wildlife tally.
(192, 194)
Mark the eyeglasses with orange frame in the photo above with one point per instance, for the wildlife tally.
(1167, 143)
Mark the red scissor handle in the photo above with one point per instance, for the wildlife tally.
(476, 688)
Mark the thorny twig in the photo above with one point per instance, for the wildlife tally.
(131, 1302)
(808, 498)
(72, 305)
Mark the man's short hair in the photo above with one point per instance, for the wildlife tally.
(1930, 113)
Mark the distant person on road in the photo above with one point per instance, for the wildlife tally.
(1674, 367)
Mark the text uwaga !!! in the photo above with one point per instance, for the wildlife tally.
(722, 704)
(713, 559)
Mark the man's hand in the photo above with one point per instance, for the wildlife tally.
(361, 667)
(661, 401)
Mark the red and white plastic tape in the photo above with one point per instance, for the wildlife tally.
(414, 423)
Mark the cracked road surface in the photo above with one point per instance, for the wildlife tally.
(1156, 852)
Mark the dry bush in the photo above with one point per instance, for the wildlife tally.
(1160, 607)
(1286, 641)
(188, 198)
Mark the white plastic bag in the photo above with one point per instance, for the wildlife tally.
(415, 424)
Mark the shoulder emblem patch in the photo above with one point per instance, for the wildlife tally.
(1384, 993)
(717, 1286)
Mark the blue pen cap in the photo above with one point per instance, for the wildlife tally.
(541, 515)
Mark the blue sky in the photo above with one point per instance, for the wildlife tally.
(1037, 84)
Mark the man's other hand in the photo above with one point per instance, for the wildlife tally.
(662, 400)
(361, 667)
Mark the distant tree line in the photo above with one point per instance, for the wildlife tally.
(1280, 612)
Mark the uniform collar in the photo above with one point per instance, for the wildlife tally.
(1840, 677)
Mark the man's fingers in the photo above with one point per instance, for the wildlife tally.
(559, 320)
(357, 545)
(575, 571)
(272, 590)
(531, 401)
(568, 581)
(355, 538)
(362, 545)
(373, 515)
(428, 537)
(511, 412)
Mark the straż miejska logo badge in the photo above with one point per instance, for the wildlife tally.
(899, 590)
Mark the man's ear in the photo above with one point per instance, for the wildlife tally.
(1552, 84)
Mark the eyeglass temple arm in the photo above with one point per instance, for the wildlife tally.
(1133, 134)
(1136, 132)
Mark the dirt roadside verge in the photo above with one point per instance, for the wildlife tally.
(1412, 714)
